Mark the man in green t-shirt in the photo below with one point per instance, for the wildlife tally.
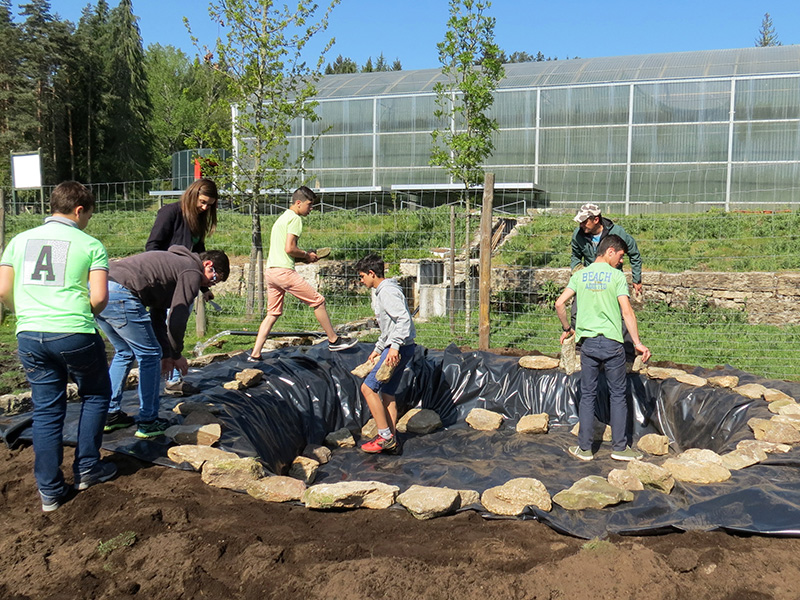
(281, 277)
(55, 278)
(601, 292)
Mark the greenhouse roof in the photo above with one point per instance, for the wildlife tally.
(581, 71)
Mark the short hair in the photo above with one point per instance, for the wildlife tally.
(371, 262)
(68, 195)
(303, 193)
(611, 241)
(219, 261)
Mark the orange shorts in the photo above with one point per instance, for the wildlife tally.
(279, 281)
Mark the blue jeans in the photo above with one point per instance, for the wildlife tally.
(390, 387)
(602, 353)
(127, 325)
(49, 359)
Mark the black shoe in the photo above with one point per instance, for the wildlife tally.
(102, 471)
(342, 343)
(152, 429)
(117, 420)
(254, 359)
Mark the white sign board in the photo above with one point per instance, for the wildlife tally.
(26, 171)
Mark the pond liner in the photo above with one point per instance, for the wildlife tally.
(309, 392)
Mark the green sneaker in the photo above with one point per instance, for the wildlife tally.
(628, 454)
(117, 420)
(581, 454)
(152, 429)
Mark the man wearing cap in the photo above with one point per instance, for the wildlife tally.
(592, 228)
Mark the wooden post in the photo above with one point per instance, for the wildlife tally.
(452, 305)
(485, 278)
(2, 242)
(200, 316)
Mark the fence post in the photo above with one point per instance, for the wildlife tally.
(200, 316)
(485, 276)
(452, 304)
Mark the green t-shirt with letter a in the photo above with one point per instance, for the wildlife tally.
(597, 288)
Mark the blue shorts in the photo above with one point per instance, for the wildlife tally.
(390, 387)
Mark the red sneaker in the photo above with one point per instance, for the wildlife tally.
(379, 444)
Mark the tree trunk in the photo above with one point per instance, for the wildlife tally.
(467, 269)
(255, 275)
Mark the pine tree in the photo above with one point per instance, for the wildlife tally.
(766, 33)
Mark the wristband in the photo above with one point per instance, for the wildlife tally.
(566, 329)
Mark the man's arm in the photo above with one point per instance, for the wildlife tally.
(561, 311)
(98, 290)
(7, 286)
(633, 329)
(296, 253)
(634, 257)
(577, 256)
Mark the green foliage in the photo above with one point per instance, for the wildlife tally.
(598, 546)
(123, 540)
(766, 33)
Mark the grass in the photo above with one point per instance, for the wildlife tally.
(123, 540)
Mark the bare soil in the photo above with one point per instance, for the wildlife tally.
(195, 541)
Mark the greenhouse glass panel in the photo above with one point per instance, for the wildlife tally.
(761, 99)
(766, 141)
(404, 150)
(342, 116)
(514, 109)
(516, 147)
(583, 145)
(341, 177)
(768, 185)
(574, 186)
(677, 184)
(342, 151)
(681, 102)
(412, 176)
(680, 143)
(406, 114)
(604, 105)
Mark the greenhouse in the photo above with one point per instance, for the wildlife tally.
(638, 134)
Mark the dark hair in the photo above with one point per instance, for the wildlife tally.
(203, 223)
(611, 241)
(68, 195)
(303, 193)
(371, 262)
(220, 262)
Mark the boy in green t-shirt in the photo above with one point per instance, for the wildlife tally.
(280, 276)
(55, 277)
(602, 296)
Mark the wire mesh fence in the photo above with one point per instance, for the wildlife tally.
(720, 288)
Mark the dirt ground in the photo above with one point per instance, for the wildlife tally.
(178, 538)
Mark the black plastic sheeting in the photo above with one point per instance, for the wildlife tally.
(309, 392)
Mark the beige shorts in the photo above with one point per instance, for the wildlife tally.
(279, 281)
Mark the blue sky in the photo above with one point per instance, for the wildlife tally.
(410, 29)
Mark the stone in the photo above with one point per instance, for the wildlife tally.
(234, 385)
(403, 421)
(538, 362)
(132, 380)
(724, 381)
(793, 420)
(364, 368)
(232, 474)
(341, 438)
(622, 478)
(791, 408)
(754, 391)
(511, 498)
(277, 489)
(690, 379)
(425, 502)
(696, 471)
(200, 435)
(468, 497)
(14, 404)
(772, 395)
(423, 421)
(321, 454)
(534, 423)
(743, 457)
(569, 362)
(771, 431)
(484, 420)
(663, 373)
(652, 477)
(369, 430)
(350, 494)
(201, 417)
(638, 365)
(591, 492)
(768, 447)
(187, 408)
(653, 443)
(702, 455)
(72, 392)
(304, 469)
(601, 433)
(776, 405)
(197, 455)
(385, 372)
(250, 377)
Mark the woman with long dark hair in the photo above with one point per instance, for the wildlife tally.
(188, 222)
